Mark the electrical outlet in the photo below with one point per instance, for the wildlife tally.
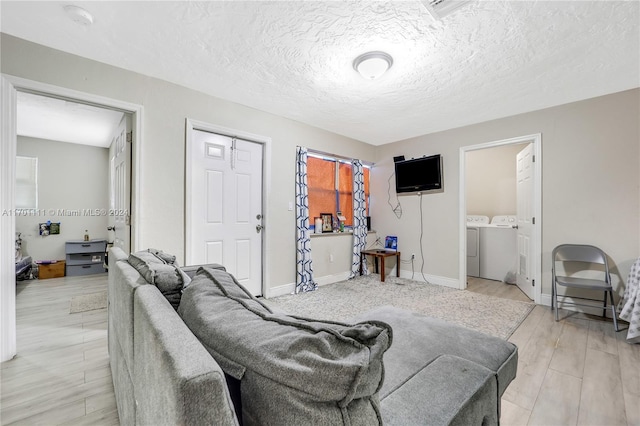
(331, 257)
(413, 256)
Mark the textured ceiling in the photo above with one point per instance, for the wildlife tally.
(63, 121)
(487, 60)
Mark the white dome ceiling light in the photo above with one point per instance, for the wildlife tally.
(79, 15)
(372, 65)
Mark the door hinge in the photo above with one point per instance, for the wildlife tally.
(129, 137)
(533, 220)
(533, 158)
(127, 220)
(533, 283)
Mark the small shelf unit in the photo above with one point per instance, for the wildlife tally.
(85, 257)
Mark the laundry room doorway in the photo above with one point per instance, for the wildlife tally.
(500, 212)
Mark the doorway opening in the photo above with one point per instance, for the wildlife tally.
(77, 190)
(500, 213)
(11, 87)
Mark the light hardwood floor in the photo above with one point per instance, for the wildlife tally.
(577, 371)
(573, 372)
(61, 374)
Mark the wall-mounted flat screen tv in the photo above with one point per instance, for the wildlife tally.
(419, 174)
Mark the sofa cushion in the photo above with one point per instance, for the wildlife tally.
(448, 391)
(419, 339)
(190, 271)
(167, 277)
(292, 370)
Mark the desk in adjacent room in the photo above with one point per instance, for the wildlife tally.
(381, 254)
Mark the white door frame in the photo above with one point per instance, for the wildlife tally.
(8, 140)
(265, 141)
(536, 140)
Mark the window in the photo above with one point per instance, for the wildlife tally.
(330, 183)
(26, 183)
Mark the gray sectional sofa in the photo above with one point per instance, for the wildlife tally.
(224, 358)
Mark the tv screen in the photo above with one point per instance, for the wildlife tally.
(419, 174)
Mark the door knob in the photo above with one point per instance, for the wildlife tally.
(259, 228)
(111, 228)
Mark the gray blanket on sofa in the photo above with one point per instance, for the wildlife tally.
(292, 370)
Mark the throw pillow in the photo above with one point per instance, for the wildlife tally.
(165, 257)
(168, 278)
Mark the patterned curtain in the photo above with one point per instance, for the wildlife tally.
(359, 219)
(304, 266)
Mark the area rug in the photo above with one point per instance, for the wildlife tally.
(88, 302)
(345, 299)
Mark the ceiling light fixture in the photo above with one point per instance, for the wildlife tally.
(372, 65)
(79, 15)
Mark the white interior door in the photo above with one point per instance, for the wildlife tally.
(120, 183)
(526, 222)
(225, 197)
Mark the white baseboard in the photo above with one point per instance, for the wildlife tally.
(433, 279)
(330, 279)
(284, 289)
(280, 290)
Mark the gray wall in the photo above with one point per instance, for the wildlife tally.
(491, 180)
(166, 106)
(590, 180)
(71, 178)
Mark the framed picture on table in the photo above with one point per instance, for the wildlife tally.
(391, 243)
(327, 222)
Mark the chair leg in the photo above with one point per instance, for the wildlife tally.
(604, 307)
(555, 299)
(613, 311)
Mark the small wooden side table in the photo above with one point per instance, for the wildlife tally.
(381, 254)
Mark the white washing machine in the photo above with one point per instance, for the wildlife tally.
(499, 249)
(474, 222)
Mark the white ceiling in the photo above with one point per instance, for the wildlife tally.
(487, 60)
(64, 121)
